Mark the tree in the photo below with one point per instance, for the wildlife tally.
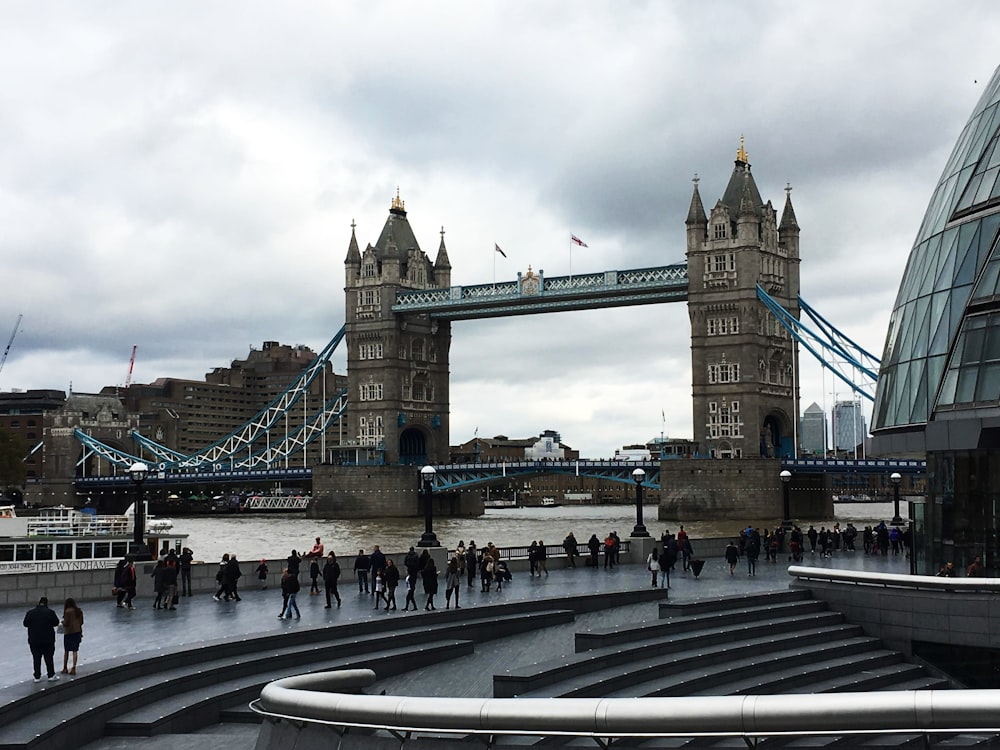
(13, 449)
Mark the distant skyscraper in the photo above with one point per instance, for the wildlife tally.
(849, 427)
(812, 432)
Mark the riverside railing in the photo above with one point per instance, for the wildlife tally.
(322, 699)
(894, 580)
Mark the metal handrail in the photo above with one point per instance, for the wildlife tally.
(319, 698)
(893, 580)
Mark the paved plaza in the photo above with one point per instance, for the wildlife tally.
(112, 634)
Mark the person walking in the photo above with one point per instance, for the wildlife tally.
(234, 578)
(653, 564)
(289, 588)
(169, 583)
(411, 590)
(293, 563)
(541, 558)
(594, 545)
(752, 551)
(391, 584)
(72, 622)
(185, 559)
(118, 590)
(732, 556)
(452, 580)
(570, 547)
(430, 576)
(314, 573)
(471, 563)
(378, 590)
(157, 576)
(41, 623)
(362, 564)
(261, 571)
(128, 581)
(331, 574)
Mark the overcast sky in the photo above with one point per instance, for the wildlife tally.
(183, 177)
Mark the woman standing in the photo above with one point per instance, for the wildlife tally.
(72, 622)
(452, 580)
(430, 576)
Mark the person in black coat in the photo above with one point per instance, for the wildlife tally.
(430, 576)
(41, 623)
(391, 583)
(331, 574)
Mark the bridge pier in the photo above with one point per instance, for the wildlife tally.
(739, 490)
(381, 492)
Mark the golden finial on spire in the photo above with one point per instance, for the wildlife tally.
(741, 155)
(397, 203)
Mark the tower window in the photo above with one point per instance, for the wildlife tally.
(719, 231)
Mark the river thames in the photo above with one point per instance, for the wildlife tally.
(274, 536)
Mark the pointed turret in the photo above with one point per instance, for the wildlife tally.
(353, 252)
(696, 213)
(788, 230)
(442, 266)
(740, 182)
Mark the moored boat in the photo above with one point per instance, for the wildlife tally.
(63, 538)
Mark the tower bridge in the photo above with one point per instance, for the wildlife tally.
(400, 305)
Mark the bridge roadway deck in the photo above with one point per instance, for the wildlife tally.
(112, 635)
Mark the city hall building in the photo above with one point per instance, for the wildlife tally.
(938, 389)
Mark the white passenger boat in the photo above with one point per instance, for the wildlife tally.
(63, 538)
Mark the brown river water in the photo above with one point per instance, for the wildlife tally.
(252, 537)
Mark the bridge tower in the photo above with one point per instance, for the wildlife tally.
(743, 364)
(397, 366)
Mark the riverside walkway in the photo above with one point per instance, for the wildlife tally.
(111, 633)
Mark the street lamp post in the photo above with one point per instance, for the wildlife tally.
(895, 478)
(138, 550)
(428, 539)
(786, 477)
(639, 476)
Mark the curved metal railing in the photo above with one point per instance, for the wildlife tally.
(893, 580)
(320, 698)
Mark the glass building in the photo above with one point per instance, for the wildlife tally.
(938, 393)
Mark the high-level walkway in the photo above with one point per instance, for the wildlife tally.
(115, 637)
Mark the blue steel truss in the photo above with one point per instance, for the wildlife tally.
(241, 449)
(463, 476)
(834, 350)
(537, 294)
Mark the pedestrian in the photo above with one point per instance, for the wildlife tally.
(687, 552)
(653, 564)
(234, 575)
(813, 535)
(293, 562)
(532, 557)
(362, 564)
(471, 563)
(540, 559)
(72, 623)
(331, 574)
(752, 552)
(430, 576)
(41, 623)
(261, 571)
(378, 560)
(594, 545)
(460, 556)
(118, 589)
(128, 581)
(948, 571)
(157, 575)
(289, 588)
(391, 584)
(570, 547)
(169, 583)
(452, 580)
(732, 556)
(486, 570)
(609, 552)
(314, 572)
(222, 578)
(185, 559)
(411, 589)
(975, 569)
(378, 590)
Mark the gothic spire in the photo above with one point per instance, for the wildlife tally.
(442, 263)
(788, 220)
(353, 253)
(696, 213)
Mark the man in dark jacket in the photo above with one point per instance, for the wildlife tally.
(362, 564)
(41, 623)
(331, 574)
(378, 561)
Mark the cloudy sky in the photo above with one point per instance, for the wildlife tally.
(183, 177)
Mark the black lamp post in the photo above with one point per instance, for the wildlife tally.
(786, 477)
(428, 539)
(138, 549)
(639, 476)
(895, 478)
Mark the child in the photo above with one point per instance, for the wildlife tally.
(262, 574)
(380, 590)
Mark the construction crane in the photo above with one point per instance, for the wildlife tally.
(131, 364)
(10, 342)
